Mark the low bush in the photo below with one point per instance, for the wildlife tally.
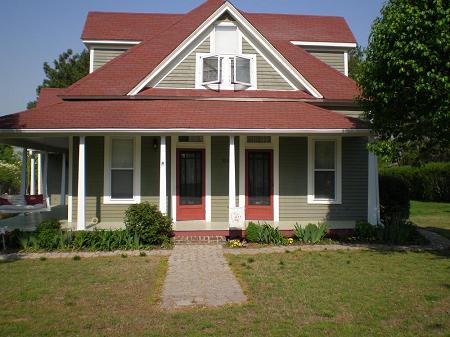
(394, 199)
(145, 221)
(366, 232)
(271, 235)
(430, 182)
(311, 233)
(252, 232)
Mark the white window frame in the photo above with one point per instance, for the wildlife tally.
(226, 83)
(219, 69)
(107, 199)
(311, 170)
(235, 70)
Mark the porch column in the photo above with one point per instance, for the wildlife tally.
(173, 181)
(23, 182)
(242, 172)
(32, 174)
(70, 182)
(373, 209)
(208, 215)
(45, 180)
(62, 200)
(276, 178)
(39, 160)
(81, 221)
(162, 176)
(232, 178)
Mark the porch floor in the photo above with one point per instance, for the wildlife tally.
(30, 221)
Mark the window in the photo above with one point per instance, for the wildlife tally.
(241, 70)
(259, 139)
(226, 40)
(324, 180)
(122, 161)
(211, 73)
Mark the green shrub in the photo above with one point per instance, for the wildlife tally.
(400, 232)
(271, 235)
(394, 200)
(366, 232)
(148, 223)
(252, 232)
(311, 233)
(48, 234)
(430, 182)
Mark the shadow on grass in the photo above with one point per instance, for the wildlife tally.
(445, 232)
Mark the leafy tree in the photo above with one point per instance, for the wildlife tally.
(7, 154)
(405, 79)
(66, 70)
(356, 58)
(9, 169)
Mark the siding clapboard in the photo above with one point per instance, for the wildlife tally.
(267, 77)
(293, 182)
(334, 59)
(219, 178)
(183, 76)
(103, 56)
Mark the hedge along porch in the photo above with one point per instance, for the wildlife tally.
(192, 178)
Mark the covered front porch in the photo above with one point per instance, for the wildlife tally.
(211, 183)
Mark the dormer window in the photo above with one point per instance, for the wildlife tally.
(226, 68)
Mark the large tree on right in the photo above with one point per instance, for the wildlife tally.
(405, 80)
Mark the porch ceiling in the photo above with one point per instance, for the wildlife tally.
(49, 144)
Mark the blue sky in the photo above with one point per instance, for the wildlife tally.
(33, 32)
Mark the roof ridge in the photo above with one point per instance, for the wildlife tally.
(134, 13)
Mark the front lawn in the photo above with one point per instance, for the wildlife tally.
(434, 216)
(291, 294)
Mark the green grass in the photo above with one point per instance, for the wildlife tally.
(297, 294)
(434, 216)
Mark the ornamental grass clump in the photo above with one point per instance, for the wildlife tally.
(311, 233)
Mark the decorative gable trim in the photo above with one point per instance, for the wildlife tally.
(247, 25)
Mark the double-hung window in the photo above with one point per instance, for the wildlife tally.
(122, 170)
(324, 178)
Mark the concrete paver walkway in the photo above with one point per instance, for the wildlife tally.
(200, 275)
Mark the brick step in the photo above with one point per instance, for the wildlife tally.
(200, 239)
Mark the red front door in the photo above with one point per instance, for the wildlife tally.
(259, 185)
(190, 184)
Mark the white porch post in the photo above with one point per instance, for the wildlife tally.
(62, 200)
(81, 221)
(173, 181)
(45, 180)
(373, 209)
(276, 178)
(40, 170)
(162, 176)
(231, 179)
(23, 182)
(32, 174)
(70, 182)
(208, 215)
(242, 172)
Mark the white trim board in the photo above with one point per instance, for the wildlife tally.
(241, 19)
(111, 42)
(185, 131)
(324, 44)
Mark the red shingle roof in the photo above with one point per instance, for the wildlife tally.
(201, 93)
(179, 114)
(139, 26)
(126, 26)
(49, 96)
(121, 75)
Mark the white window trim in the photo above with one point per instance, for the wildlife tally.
(338, 171)
(226, 68)
(136, 172)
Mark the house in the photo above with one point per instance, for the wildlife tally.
(218, 116)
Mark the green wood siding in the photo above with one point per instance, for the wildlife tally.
(334, 59)
(268, 78)
(94, 179)
(293, 182)
(103, 55)
(183, 76)
(219, 178)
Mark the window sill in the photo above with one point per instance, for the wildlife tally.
(323, 202)
(109, 201)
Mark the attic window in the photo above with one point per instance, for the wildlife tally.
(226, 39)
(211, 70)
